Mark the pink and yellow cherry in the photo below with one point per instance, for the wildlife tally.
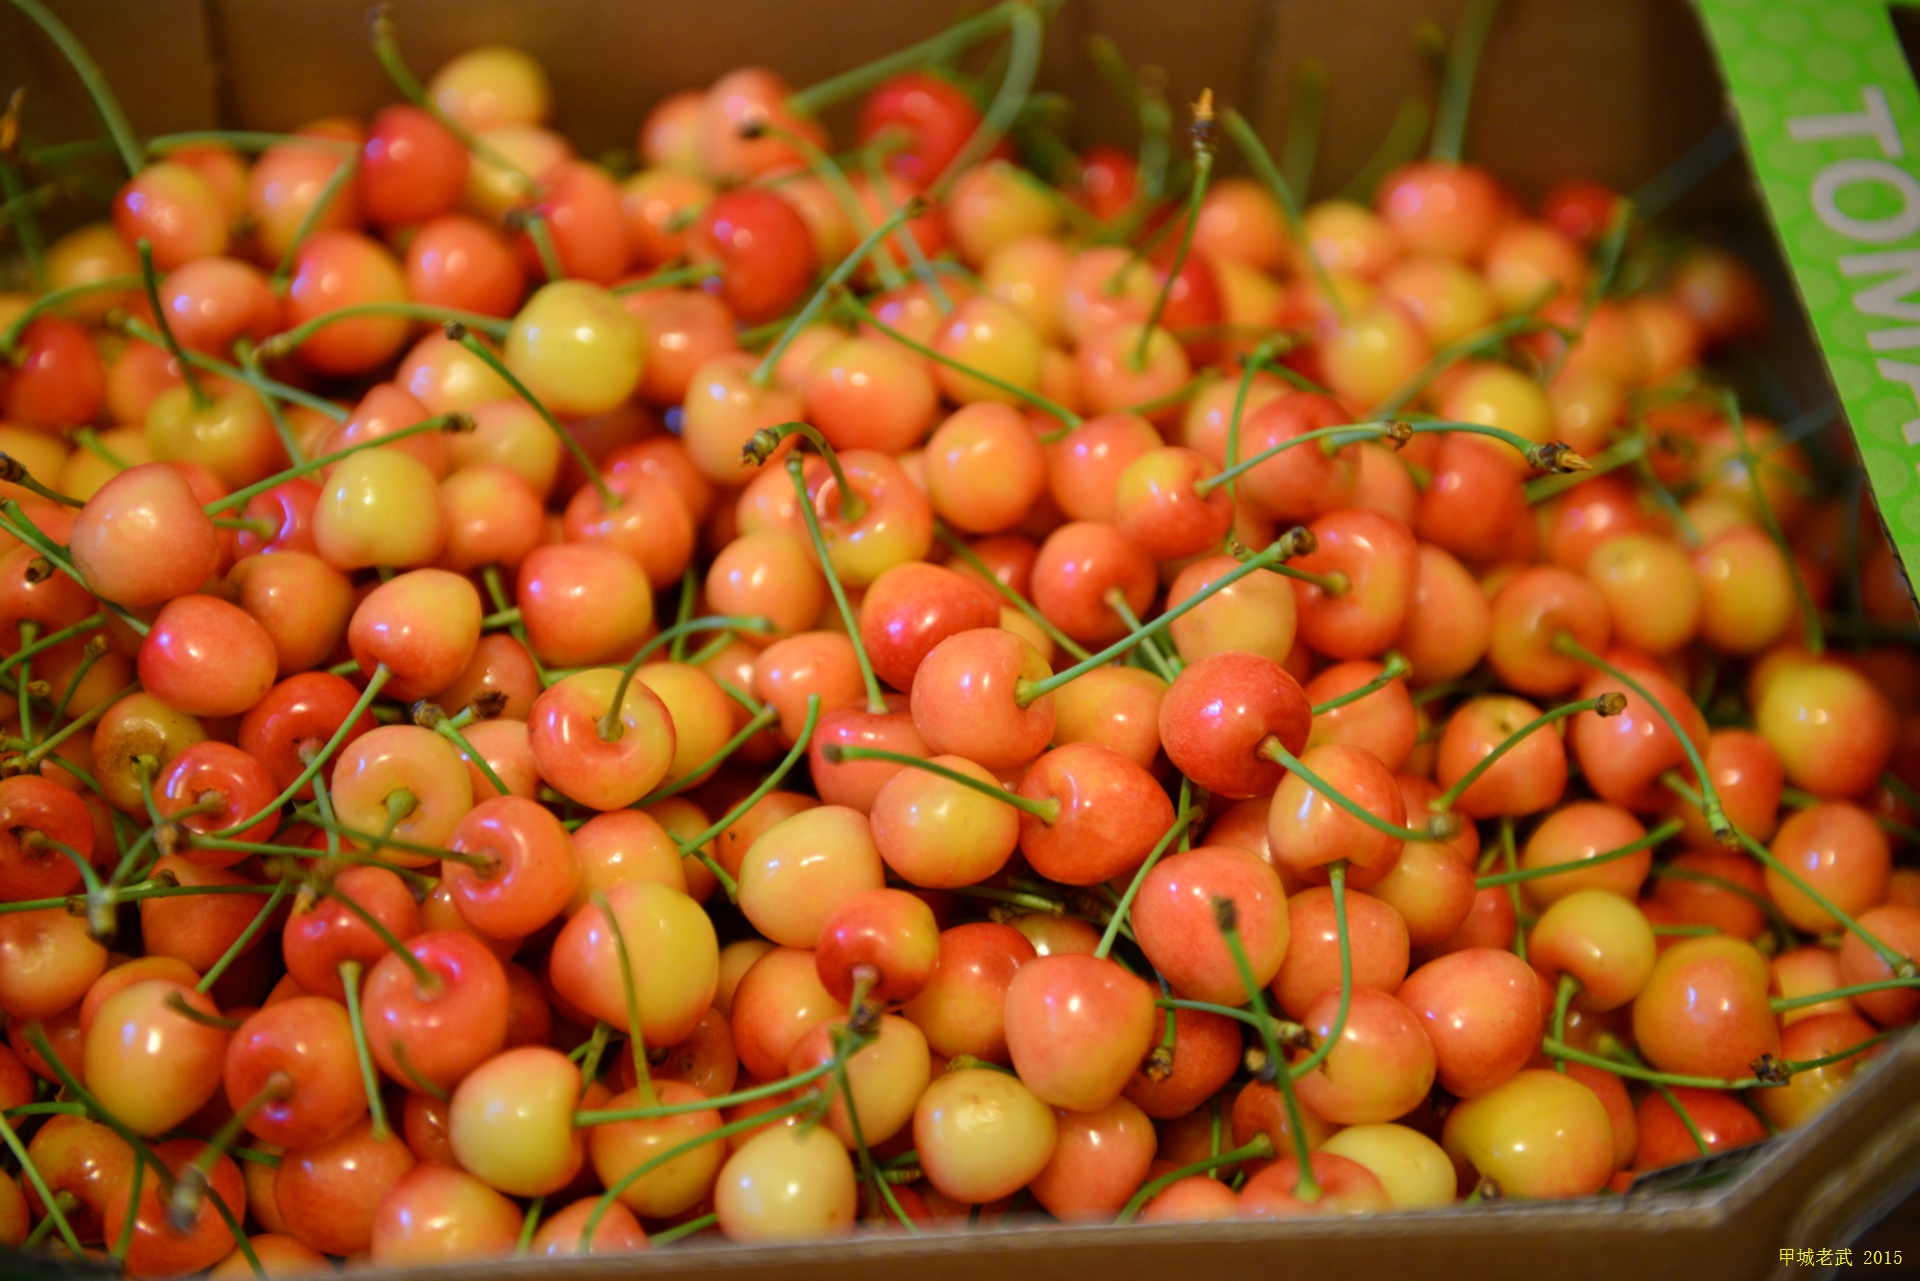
(321, 935)
(327, 1195)
(1599, 939)
(1575, 833)
(1080, 570)
(1106, 814)
(1160, 507)
(511, 1122)
(440, 1214)
(34, 812)
(672, 955)
(379, 507)
(1255, 614)
(1834, 731)
(794, 670)
(1113, 379)
(769, 576)
(1704, 1011)
(422, 626)
(885, 1077)
(939, 834)
(1898, 926)
(583, 603)
(1842, 852)
(1482, 1009)
(1377, 943)
(911, 608)
(150, 1065)
(1528, 777)
(569, 726)
(1540, 1134)
(526, 873)
(333, 270)
(857, 783)
(403, 780)
(1381, 1067)
(1173, 919)
(798, 873)
(982, 1135)
(1308, 828)
(207, 658)
(1077, 1028)
(1624, 755)
(1085, 465)
(1099, 1159)
(962, 1009)
(1416, 1172)
(1342, 1187)
(173, 207)
(1812, 1091)
(787, 1184)
(1530, 612)
(776, 1002)
(619, 1147)
(1221, 709)
(1746, 591)
(1304, 481)
(1382, 719)
(1207, 1053)
(306, 1047)
(985, 468)
(143, 539)
(438, 1029)
(884, 940)
(965, 699)
(1723, 1121)
(1378, 560)
(1115, 707)
(51, 959)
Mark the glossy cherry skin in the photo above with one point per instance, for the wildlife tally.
(1721, 1118)
(1218, 712)
(1540, 1134)
(911, 608)
(1111, 813)
(1380, 560)
(1077, 1028)
(321, 934)
(1482, 1009)
(29, 869)
(438, 1214)
(1307, 830)
(328, 1194)
(764, 255)
(446, 1030)
(1346, 1187)
(531, 873)
(963, 699)
(1173, 918)
(308, 1040)
(962, 1009)
(1623, 756)
(142, 538)
(1704, 1011)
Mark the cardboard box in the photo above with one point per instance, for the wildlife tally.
(1610, 89)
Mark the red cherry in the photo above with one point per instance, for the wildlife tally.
(1218, 712)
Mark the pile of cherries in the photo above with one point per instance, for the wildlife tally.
(792, 691)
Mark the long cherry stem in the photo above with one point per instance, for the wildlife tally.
(1258, 1148)
(32, 1173)
(1456, 89)
(1046, 811)
(1609, 704)
(865, 316)
(1027, 609)
(54, 299)
(1269, 174)
(375, 684)
(1816, 640)
(1181, 821)
(1196, 194)
(457, 332)
(150, 282)
(636, 1039)
(1026, 691)
(610, 724)
(105, 105)
(386, 47)
(1714, 812)
(369, 1078)
(1901, 965)
(796, 471)
(1440, 827)
(1337, 879)
(762, 375)
(1227, 918)
(697, 846)
(289, 341)
(1396, 667)
(1665, 832)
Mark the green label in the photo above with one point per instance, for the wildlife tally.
(1832, 121)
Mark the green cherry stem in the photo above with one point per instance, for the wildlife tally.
(457, 332)
(1456, 88)
(52, 639)
(1046, 811)
(938, 48)
(1027, 609)
(1203, 135)
(1615, 456)
(796, 472)
(760, 720)
(1665, 832)
(289, 341)
(1166, 668)
(760, 446)
(1259, 1148)
(1711, 808)
(1557, 1028)
(1396, 667)
(1023, 63)
(1330, 438)
(1181, 821)
(337, 181)
(32, 1172)
(1256, 360)
(1270, 176)
(20, 525)
(245, 938)
(1902, 966)
(680, 1231)
(636, 1039)
(1337, 880)
(105, 105)
(375, 684)
(386, 47)
(1816, 639)
(1440, 827)
(762, 375)
(150, 282)
(1781, 1004)
(54, 299)
(1226, 917)
(1289, 544)
(369, 1078)
(1609, 704)
(697, 846)
(133, 328)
